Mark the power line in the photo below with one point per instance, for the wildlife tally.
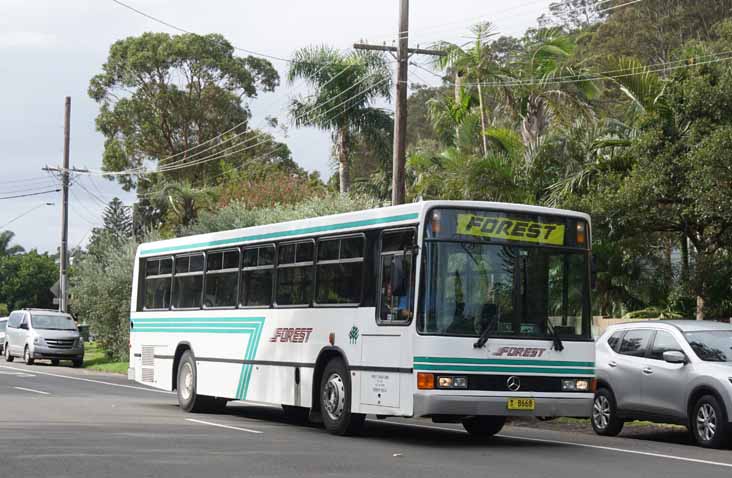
(25, 213)
(183, 30)
(31, 194)
(617, 6)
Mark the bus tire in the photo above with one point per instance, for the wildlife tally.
(335, 400)
(188, 399)
(483, 427)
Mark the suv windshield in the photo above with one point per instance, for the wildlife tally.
(52, 322)
(712, 346)
(474, 283)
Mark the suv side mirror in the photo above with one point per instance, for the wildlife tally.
(23, 326)
(674, 356)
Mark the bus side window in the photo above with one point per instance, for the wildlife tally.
(396, 276)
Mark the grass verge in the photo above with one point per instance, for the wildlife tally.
(96, 359)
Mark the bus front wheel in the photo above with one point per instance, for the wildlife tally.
(483, 427)
(335, 400)
(188, 398)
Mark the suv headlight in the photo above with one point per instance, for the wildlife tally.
(37, 340)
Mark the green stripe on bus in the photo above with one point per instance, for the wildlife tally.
(509, 370)
(479, 361)
(251, 326)
(281, 234)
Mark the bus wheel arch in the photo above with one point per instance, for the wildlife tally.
(179, 351)
(326, 355)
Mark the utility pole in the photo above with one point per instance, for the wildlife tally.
(402, 54)
(63, 256)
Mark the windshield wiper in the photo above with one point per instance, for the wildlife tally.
(558, 345)
(480, 343)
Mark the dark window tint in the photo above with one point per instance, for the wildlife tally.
(635, 343)
(152, 267)
(249, 258)
(196, 264)
(328, 250)
(286, 254)
(187, 290)
(231, 260)
(182, 264)
(166, 266)
(294, 285)
(339, 283)
(304, 251)
(157, 293)
(397, 241)
(221, 289)
(614, 340)
(214, 261)
(351, 247)
(397, 288)
(663, 342)
(266, 256)
(256, 287)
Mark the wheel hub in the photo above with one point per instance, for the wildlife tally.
(334, 396)
(186, 386)
(601, 412)
(706, 422)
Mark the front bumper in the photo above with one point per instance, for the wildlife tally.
(41, 352)
(451, 404)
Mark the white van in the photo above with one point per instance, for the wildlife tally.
(43, 334)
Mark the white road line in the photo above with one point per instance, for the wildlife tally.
(92, 381)
(619, 450)
(17, 374)
(31, 390)
(223, 426)
(584, 445)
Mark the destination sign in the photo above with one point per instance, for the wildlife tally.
(510, 229)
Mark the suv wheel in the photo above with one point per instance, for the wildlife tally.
(605, 419)
(8, 356)
(27, 356)
(709, 423)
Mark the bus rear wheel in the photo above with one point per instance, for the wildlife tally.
(483, 427)
(188, 398)
(335, 400)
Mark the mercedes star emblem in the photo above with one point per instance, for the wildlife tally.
(513, 383)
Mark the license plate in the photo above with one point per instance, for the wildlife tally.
(521, 404)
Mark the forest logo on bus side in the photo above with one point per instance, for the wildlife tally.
(353, 335)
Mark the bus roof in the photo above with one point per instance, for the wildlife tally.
(346, 222)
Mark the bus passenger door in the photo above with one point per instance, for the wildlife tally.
(381, 353)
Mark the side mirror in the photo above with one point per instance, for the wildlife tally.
(674, 356)
(23, 326)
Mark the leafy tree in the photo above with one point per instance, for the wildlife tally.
(117, 227)
(4, 311)
(25, 280)
(574, 15)
(344, 86)
(162, 96)
(6, 237)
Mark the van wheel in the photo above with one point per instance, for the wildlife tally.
(335, 400)
(8, 356)
(77, 363)
(27, 356)
(605, 419)
(709, 423)
(483, 427)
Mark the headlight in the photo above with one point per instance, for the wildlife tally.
(576, 385)
(452, 381)
(37, 340)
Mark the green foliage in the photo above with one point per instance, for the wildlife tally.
(161, 95)
(25, 280)
(4, 310)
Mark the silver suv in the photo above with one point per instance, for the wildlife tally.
(667, 371)
(43, 334)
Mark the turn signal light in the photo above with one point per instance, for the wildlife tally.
(581, 233)
(425, 381)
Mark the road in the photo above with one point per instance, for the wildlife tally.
(63, 422)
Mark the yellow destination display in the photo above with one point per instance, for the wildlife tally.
(510, 229)
(521, 404)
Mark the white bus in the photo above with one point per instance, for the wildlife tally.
(465, 312)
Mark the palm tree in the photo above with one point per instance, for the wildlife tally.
(475, 63)
(5, 248)
(541, 96)
(343, 87)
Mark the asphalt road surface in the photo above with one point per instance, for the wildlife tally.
(63, 422)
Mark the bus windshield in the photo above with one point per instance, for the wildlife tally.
(515, 290)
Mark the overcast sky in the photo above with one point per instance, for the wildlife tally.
(50, 49)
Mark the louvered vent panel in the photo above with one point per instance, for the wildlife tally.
(148, 355)
(148, 375)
